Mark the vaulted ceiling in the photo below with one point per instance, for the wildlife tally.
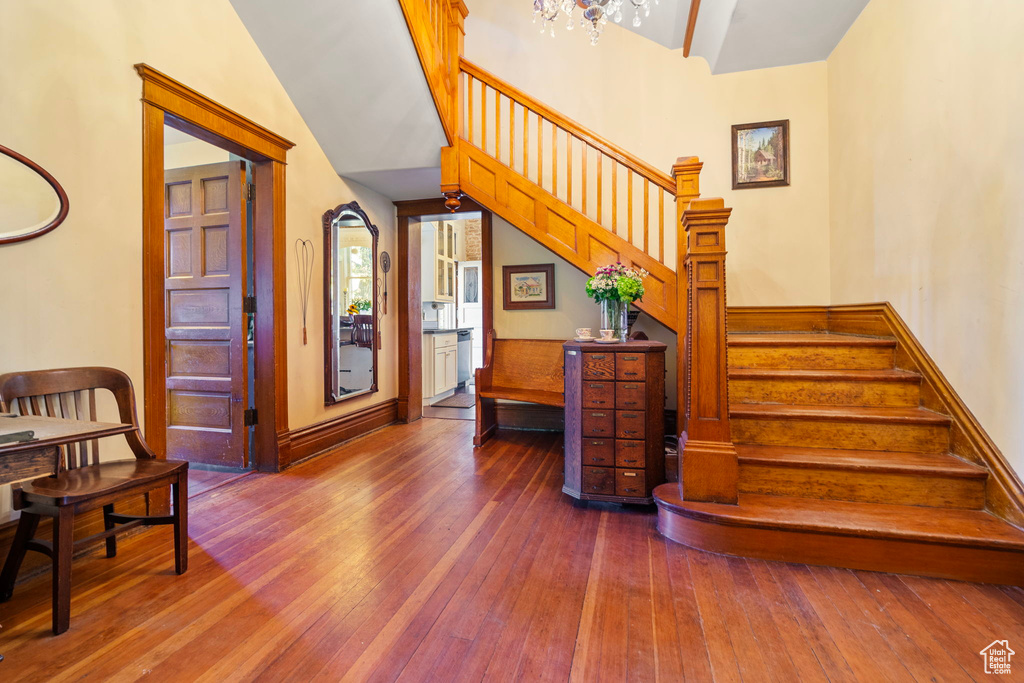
(352, 71)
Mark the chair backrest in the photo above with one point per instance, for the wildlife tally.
(528, 364)
(70, 393)
(363, 334)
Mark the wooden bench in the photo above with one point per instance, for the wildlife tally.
(527, 370)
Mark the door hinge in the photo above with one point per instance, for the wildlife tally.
(250, 192)
(251, 417)
(249, 305)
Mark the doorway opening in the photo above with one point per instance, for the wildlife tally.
(445, 273)
(213, 274)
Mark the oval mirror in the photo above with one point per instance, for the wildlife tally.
(350, 303)
(32, 202)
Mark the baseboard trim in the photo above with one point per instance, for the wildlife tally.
(312, 439)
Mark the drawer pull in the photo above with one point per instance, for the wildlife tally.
(601, 357)
(629, 474)
(597, 443)
(631, 358)
(633, 460)
(599, 415)
(630, 386)
(629, 490)
(630, 415)
(597, 386)
(632, 431)
(598, 401)
(629, 373)
(631, 403)
(598, 430)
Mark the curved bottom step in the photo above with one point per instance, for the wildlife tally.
(967, 545)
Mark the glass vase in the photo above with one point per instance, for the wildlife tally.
(613, 317)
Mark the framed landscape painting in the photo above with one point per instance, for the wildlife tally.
(760, 154)
(528, 287)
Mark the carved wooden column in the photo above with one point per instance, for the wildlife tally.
(708, 469)
(686, 172)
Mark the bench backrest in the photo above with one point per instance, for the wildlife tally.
(528, 364)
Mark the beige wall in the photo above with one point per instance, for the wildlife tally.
(659, 106)
(71, 102)
(927, 189)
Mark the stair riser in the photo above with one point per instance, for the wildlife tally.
(864, 487)
(812, 357)
(867, 436)
(831, 393)
(874, 554)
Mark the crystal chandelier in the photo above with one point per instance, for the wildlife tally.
(594, 14)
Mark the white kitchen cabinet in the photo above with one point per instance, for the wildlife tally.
(439, 246)
(440, 363)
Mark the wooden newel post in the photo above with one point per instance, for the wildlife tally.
(708, 466)
(450, 155)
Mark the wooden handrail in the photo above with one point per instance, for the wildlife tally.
(578, 130)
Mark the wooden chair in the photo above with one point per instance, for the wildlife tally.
(363, 334)
(81, 482)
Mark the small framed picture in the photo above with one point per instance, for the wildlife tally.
(760, 154)
(528, 287)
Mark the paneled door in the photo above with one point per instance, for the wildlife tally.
(204, 288)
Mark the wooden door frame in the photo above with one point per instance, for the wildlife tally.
(410, 323)
(165, 100)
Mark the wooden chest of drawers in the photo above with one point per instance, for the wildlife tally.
(614, 420)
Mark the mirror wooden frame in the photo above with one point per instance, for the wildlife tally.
(330, 341)
(61, 196)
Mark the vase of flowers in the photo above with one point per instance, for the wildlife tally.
(615, 287)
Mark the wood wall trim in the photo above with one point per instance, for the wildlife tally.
(410, 323)
(167, 101)
(312, 439)
(691, 24)
(968, 439)
(608, 148)
(163, 92)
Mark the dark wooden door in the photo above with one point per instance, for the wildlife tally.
(204, 287)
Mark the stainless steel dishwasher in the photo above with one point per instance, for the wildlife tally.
(465, 353)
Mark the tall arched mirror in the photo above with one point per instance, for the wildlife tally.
(350, 303)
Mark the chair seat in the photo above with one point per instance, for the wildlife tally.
(547, 398)
(74, 486)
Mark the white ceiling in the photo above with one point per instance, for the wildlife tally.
(351, 70)
(765, 33)
(740, 35)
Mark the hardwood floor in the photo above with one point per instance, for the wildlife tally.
(408, 556)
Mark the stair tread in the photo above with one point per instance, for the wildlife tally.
(889, 414)
(807, 339)
(942, 464)
(826, 375)
(973, 528)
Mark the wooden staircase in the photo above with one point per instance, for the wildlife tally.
(807, 434)
(839, 464)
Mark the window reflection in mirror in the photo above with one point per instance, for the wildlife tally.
(350, 242)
